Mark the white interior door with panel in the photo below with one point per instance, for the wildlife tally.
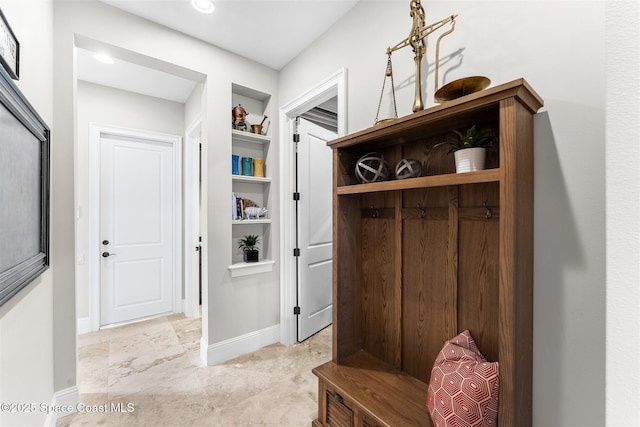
(137, 228)
(314, 178)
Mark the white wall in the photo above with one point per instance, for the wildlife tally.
(559, 48)
(109, 106)
(193, 105)
(234, 307)
(623, 213)
(27, 321)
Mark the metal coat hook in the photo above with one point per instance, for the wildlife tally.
(376, 212)
(423, 212)
(488, 214)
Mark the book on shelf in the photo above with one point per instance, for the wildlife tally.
(238, 206)
(234, 209)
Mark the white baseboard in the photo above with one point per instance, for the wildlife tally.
(67, 398)
(234, 347)
(83, 325)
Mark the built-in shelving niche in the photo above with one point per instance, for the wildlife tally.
(258, 189)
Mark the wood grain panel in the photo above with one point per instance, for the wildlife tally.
(425, 298)
(434, 161)
(347, 264)
(398, 285)
(451, 301)
(338, 414)
(489, 175)
(516, 277)
(424, 295)
(387, 396)
(478, 273)
(377, 284)
(478, 290)
(344, 168)
(346, 276)
(475, 196)
(322, 405)
(523, 242)
(508, 188)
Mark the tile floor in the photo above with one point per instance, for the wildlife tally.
(153, 370)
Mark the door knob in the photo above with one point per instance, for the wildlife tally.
(106, 254)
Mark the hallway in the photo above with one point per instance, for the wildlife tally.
(153, 370)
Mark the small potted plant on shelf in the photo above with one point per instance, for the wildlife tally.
(469, 148)
(248, 244)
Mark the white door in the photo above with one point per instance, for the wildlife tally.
(136, 228)
(314, 173)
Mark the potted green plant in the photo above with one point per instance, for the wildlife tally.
(469, 148)
(248, 244)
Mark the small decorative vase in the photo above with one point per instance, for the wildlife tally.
(251, 256)
(247, 166)
(235, 168)
(470, 159)
(258, 168)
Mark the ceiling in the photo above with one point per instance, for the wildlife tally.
(271, 32)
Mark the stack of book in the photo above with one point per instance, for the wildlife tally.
(238, 205)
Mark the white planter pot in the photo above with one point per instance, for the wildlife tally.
(470, 159)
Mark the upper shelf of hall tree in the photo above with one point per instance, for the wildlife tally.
(446, 116)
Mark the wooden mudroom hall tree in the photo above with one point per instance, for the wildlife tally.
(418, 260)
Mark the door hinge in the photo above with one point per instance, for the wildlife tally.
(296, 196)
(296, 310)
(296, 137)
(296, 252)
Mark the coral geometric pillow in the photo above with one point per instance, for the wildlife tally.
(463, 389)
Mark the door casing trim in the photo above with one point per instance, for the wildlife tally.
(191, 216)
(96, 131)
(334, 85)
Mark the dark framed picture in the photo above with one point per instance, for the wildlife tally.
(24, 191)
(9, 49)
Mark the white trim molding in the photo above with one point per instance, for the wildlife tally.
(237, 346)
(333, 86)
(191, 303)
(83, 325)
(249, 268)
(69, 398)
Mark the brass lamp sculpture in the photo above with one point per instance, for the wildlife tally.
(417, 41)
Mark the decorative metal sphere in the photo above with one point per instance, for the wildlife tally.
(408, 168)
(372, 168)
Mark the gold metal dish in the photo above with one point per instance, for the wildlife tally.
(461, 87)
(384, 121)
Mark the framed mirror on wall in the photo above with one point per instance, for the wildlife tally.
(24, 191)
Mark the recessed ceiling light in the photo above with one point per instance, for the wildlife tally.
(103, 57)
(203, 6)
